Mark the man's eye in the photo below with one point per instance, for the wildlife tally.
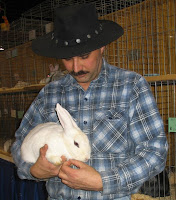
(67, 59)
(85, 56)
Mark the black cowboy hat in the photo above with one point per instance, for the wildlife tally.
(77, 31)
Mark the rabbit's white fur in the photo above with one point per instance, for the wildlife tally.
(67, 140)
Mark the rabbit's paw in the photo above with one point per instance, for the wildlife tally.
(55, 160)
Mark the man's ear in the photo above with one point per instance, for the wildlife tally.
(102, 49)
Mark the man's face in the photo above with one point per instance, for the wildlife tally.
(85, 68)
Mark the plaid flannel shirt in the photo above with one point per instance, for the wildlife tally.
(119, 115)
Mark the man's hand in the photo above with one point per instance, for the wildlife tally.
(84, 177)
(43, 169)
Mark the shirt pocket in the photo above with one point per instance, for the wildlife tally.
(110, 131)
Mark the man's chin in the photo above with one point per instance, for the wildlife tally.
(81, 79)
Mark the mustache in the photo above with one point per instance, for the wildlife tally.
(78, 73)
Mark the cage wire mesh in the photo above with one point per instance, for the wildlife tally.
(148, 47)
(165, 95)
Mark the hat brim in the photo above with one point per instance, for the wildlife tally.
(45, 46)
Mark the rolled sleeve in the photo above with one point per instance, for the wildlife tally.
(32, 118)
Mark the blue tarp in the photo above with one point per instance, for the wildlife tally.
(13, 188)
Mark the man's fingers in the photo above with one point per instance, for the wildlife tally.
(43, 150)
(63, 159)
(76, 163)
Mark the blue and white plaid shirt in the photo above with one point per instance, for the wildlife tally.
(119, 114)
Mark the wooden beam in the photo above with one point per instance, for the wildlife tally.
(6, 156)
(30, 88)
(168, 77)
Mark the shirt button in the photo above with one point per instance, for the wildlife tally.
(85, 122)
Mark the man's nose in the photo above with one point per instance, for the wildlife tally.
(76, 65)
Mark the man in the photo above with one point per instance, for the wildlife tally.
(113, 106)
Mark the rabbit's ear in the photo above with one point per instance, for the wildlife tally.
(56, 67)
(51, 67)
(65, 118)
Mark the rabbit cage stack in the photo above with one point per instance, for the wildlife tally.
(148, 47)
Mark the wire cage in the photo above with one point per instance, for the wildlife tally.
(147, 47)
(165, 95)
(148, 44)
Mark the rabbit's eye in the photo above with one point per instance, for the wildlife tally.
(76, 144)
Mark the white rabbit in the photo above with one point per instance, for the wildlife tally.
(7, 145)
(67, 140)
(55, 74)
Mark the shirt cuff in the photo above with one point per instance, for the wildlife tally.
(111, 181)
(24, 172)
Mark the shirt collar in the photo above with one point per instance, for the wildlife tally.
(104, 74)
